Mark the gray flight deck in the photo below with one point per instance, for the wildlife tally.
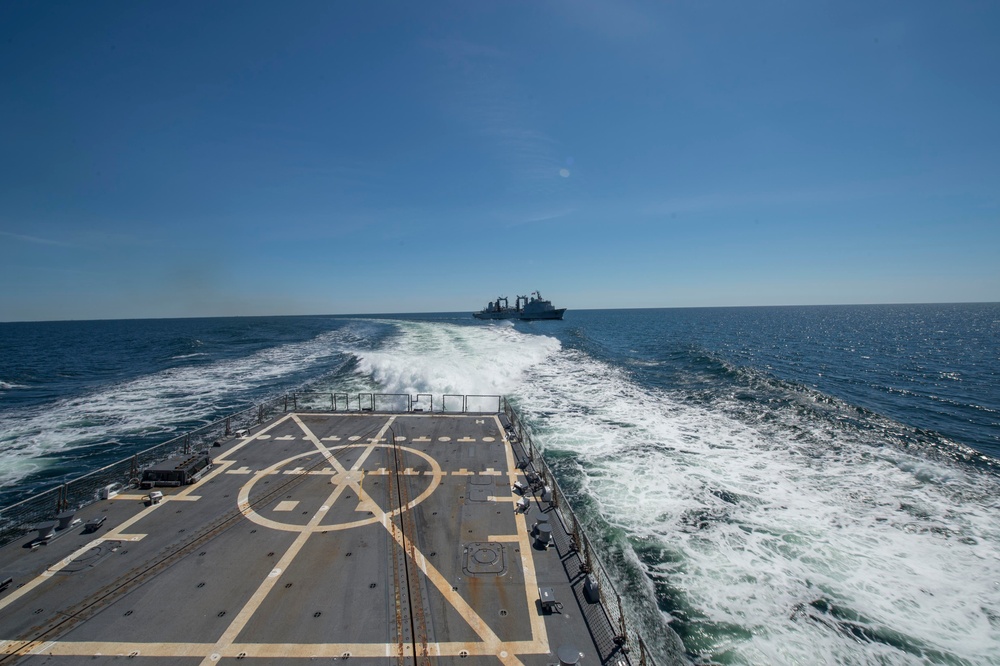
(376, 537)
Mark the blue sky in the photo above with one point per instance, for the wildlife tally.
(227, 158)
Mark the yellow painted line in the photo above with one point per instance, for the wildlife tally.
(349, 481)
(538, 633)
(251, 606)
(225, 456)
(116, 534)
(249, 650)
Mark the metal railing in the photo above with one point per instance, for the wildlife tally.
(18, 519)
(626, 636)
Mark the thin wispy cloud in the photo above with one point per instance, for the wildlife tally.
(34, 239)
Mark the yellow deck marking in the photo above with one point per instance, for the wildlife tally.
(118, 533)
(226, 647)
(348, 479)
(538, 633)
(251, 650)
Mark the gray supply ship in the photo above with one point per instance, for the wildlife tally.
(524, 308)
(316, 528)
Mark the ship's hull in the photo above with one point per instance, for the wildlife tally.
(523, 316)
(501, 314)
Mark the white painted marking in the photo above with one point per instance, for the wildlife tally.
(286, 505)
(444, 439)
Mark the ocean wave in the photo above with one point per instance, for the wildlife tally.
(801, 538)
(32, 439)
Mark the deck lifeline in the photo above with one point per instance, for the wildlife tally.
(384, 538)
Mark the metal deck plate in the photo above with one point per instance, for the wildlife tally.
(374, 537)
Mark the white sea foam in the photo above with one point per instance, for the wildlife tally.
(6, 386)
(150, 403)
(805, 544)
(445, 358)
(798, 539)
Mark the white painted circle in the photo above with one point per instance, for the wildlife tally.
(488, 439)
(434, 475)
(354, 438)
(214, 656)
(444, 439)
(274, 572)
(263, 437)
(400, 439)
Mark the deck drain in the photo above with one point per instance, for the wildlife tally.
(287, 585)
(371, 586)
(253, 531)
(222, 614)
(201, 554)
(503, 612)
(127, 613)
(201, 585)
(346, 655)
(37, 611)
(271, 554)
(348, 555)
(463, 654)
(317, 613)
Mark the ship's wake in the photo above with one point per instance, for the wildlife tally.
(797, 538)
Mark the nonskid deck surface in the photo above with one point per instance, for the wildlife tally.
(378, 538)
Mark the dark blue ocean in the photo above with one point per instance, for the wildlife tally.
(788, 485)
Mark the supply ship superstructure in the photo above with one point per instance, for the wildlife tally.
(372, 528)
(524, 309)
